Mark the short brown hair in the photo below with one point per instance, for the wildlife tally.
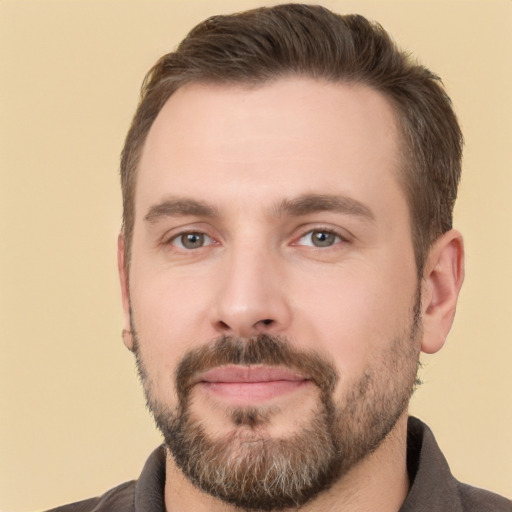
(263, 44)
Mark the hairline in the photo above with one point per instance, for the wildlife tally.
(406, 164)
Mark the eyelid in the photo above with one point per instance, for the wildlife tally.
(342, 234)
(206, 239)
(172, 234)
(169, 236)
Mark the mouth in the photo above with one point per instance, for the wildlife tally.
(250, 385)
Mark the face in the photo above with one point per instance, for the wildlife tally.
(272, 288)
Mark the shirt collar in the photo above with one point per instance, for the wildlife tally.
(432, 483)
(431, 480)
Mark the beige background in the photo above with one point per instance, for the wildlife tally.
(72, 418)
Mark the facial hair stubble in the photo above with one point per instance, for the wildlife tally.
(249, 469)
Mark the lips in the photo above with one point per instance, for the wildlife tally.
(249, 374)
(244, 385)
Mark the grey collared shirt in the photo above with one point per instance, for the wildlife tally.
(433, 487)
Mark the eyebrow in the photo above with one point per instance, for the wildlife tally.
(313, 203)
(176, 207)
(302, 205)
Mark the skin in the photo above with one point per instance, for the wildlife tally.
(244, 152)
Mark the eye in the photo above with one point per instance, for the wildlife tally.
(191, 240)
(319, 238)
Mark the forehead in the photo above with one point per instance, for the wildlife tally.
(287, 137)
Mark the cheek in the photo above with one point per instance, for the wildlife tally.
(352, 315)
(167, 302)
(166, 316)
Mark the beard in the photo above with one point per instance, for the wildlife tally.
(250, 469)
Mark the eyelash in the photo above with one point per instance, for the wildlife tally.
(182, 234)
(338, 238)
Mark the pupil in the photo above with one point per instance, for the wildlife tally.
(323, 239)
(193, 240)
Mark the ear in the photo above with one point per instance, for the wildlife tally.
(125, 292)
(442, 280)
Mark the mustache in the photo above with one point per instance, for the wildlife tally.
(265, 349)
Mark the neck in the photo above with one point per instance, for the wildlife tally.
(378, 482)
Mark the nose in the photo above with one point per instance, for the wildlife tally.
(251, 298)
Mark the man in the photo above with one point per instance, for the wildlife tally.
(287, 251)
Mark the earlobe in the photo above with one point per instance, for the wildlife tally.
(128, 340)
(125, 292)
(442, 280)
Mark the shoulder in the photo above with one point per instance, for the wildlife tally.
(432, 482)
(480, 500)
(118, 499)
(146, 493)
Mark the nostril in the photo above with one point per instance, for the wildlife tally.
(260, 326)
(223, 325)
